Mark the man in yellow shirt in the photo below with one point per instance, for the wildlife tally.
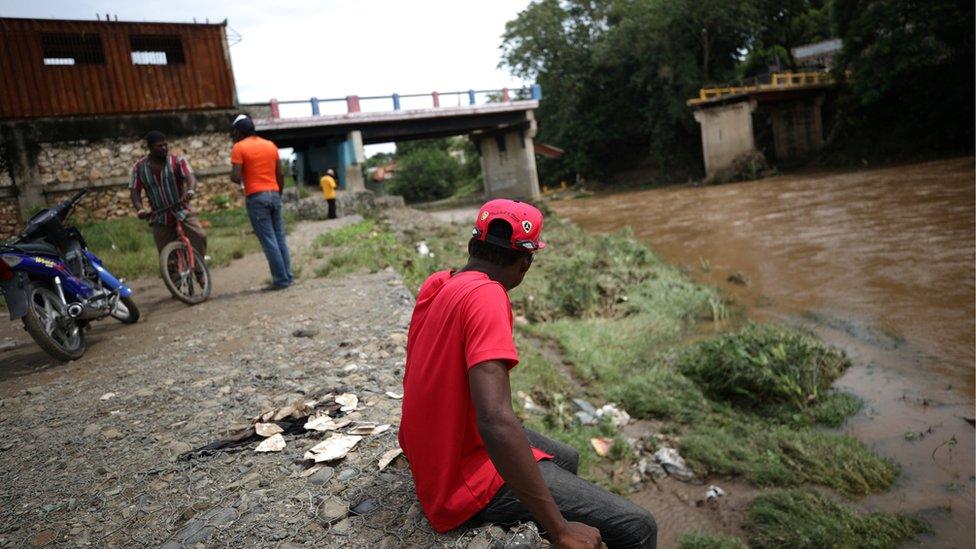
(329, 185)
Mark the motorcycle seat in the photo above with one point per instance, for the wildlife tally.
(36, 248)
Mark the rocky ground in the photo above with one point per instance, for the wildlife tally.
(91, 451)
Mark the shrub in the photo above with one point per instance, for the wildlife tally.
(425, 174)
(763, 365)
(807, 519)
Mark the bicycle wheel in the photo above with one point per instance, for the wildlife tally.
(50, 326)
(174, 266)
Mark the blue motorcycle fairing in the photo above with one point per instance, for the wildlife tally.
(49, 266)
(108, 279)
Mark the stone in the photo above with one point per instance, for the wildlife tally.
(112, 434)
(42, 538)
(322, 476)
(333, 508)
(347, 474)
(201, 535)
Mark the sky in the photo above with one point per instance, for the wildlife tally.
(296, 49)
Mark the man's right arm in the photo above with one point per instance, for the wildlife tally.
(509, 450)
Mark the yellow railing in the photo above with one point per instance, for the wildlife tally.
(780, 80)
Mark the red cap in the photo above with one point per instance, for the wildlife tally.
(525, 219)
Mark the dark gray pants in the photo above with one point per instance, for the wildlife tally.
(620, 522)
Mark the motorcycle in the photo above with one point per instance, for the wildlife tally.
(57, 286)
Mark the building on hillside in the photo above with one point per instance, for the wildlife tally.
(819, 55)
(77, 98)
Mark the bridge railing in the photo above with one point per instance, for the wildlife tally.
(349, 104)
(777, 81)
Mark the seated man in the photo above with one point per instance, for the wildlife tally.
(471, 459)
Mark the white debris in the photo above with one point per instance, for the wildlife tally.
(311, 471)
(423, 250)
(348, 401)
(325, 423)
(713, 493)
(530, 405)
(350, 367)
(673, 463)
(333, 448)
(618, 417)
(395, 396)
(274, 443)
(388, 457)
(267, 429)
(106, 396)
(368, 428)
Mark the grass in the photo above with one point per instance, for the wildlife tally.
(762, 365)
(698, 540)
(126, 245)
(751, 403)
(806, 519)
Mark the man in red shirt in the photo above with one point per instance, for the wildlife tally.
(471, 459)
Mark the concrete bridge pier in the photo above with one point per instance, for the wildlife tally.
(726, 132)
(797, 128)
(345, 156)
(508, 162)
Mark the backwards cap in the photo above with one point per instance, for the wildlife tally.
(525, 220)
(243, 123)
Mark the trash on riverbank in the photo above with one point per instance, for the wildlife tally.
(332, 448)
(423, 250)
(368, 428)
(274, 443)
(106, 396)
(673, 464)
(618, 417)
(325, 422)
(713, 493)
(394, 396)
(601, 445)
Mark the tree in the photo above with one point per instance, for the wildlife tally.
(425, 174)
(908, 74)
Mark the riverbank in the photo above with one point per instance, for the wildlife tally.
(877, 262)
(601, 320)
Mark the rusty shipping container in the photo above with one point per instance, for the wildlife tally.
(54, 67)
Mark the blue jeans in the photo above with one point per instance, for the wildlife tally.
(264, 209)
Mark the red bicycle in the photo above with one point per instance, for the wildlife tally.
(183, 268)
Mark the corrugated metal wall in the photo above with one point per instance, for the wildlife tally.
(37, 79)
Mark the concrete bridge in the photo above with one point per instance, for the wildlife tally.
(503, 132)
(794, 103)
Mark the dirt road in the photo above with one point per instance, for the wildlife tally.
(90, 449)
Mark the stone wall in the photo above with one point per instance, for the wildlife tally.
(104, 166)
(92, 161)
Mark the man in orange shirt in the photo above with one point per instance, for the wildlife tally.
(256, 166)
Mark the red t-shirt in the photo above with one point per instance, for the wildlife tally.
(458, 322)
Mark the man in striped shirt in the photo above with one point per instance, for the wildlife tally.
(167, 181)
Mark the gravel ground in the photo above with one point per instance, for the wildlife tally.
(91, 450)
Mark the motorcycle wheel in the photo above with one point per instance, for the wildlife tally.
(50, 326)
(126, 311)
(190, 288)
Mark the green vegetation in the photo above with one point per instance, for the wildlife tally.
(126, 245)
(606, 320)
(807, 519)
(761, 366)
(435, 169)
(616, 75)
(698, 540)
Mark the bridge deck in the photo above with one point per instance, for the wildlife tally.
(379, 127)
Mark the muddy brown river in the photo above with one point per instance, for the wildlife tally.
(879, 262)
